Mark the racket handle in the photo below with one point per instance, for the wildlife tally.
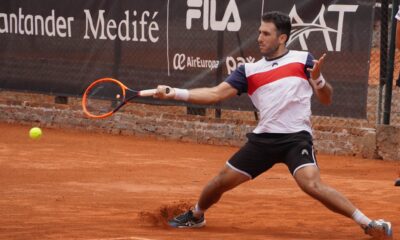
(151, 92)
(147, 93)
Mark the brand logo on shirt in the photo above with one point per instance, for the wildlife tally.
(275, 64)
(206, 10)
(302, 30)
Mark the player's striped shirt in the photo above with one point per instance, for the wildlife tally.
(280, 90)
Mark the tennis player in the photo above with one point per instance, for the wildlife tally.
(280, 86)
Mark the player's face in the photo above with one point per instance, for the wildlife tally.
(269, 40)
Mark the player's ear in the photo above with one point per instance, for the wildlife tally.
(283, 38)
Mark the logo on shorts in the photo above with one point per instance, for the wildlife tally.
(304, 152)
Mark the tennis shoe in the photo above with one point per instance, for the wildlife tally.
(397, 182)
(187, 220)
(379, 229)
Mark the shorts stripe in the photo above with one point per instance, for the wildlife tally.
(304, 165)
(313, 155)
(238, 170)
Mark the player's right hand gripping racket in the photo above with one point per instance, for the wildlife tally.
(105, 96)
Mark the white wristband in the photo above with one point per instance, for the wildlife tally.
(181, 94)
(319, 82)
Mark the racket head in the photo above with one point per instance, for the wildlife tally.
(103, 97)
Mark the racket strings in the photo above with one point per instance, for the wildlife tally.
(102, 98)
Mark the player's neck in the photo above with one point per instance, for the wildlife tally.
(277, 54)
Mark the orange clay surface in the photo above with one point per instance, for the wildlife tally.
(77, 185)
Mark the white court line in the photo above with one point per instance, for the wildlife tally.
(124, 238)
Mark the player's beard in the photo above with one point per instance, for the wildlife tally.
(271, 52)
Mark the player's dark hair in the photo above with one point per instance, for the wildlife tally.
(281, 21)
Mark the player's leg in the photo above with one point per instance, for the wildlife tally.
(244, 165)
(308, 179)
(227, 179)
(301, 161)
(249, 162)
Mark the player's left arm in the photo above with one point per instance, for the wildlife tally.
(323, 90)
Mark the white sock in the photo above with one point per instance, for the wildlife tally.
(197, 211)
(360, 218)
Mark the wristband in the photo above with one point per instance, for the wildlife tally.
(319, 82)
(181, 94)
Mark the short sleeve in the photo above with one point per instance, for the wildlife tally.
(398, 14)
(309, 64)
(238, 79)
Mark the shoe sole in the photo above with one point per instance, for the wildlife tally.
(198, 225)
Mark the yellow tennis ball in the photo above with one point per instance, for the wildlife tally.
(35, 133)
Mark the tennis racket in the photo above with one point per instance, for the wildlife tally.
(105, 96)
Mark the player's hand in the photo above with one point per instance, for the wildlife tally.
(316, 70)
(164, 92)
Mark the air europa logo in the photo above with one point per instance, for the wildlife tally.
(302, 30)
(181, 61)
(206, 10)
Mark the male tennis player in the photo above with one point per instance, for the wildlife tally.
(280, 86)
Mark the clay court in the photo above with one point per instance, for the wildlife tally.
(77, 185)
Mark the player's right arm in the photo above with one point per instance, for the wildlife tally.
(209, 95)
(235, 84)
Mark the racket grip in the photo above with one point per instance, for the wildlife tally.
(151, 92)
(147, 93)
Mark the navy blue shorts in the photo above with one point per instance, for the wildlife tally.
(262, 151)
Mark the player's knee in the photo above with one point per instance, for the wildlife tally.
(311, 187)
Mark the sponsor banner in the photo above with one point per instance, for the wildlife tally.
(59, 48)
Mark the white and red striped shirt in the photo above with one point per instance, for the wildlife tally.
(280, 90)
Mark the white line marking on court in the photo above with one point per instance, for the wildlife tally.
(124, 238)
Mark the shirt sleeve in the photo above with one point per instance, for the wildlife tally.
(309, 64)
(238, 79)
(398, 14)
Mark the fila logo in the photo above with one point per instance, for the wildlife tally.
(209, 8)
(302, 30)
